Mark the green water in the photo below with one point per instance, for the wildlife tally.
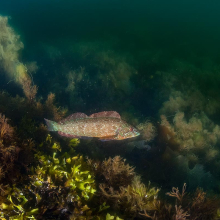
(154, 61)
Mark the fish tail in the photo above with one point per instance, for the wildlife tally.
(51, 125)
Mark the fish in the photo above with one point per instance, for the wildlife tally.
(105, 126)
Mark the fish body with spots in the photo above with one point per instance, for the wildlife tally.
(106, 125)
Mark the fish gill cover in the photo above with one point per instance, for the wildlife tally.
(154, 62)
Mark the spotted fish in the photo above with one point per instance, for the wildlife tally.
(106, 125)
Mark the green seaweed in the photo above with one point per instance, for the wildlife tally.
(54, 182)
(15, 204)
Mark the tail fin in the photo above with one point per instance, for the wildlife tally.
(51, 125)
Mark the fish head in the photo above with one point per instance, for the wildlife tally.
(126, 131)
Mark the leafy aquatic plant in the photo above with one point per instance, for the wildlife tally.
(121, 188)
(57, 188)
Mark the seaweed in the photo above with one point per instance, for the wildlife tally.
(56, 188)
(116, 172)
(194, 206)
(9, 149)
(120, 187)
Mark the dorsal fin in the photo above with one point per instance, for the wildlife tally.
(111, 114)
(74, 116)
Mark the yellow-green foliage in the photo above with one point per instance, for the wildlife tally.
(16, 207)
(74, 142)
(63, 181)
(55, 180)
(112, 217)
(68, 170)
(140, 196)
(48, 145)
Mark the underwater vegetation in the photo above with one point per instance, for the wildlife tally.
(68, 186)
(197, 206)
(13, 152)
(71, 187)
(54, 189)
(93, 66)
(64, 187)
(196, 138)
(134, 199)
(8, 150)
(148, 130)
(46, 176)
(9, 59)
